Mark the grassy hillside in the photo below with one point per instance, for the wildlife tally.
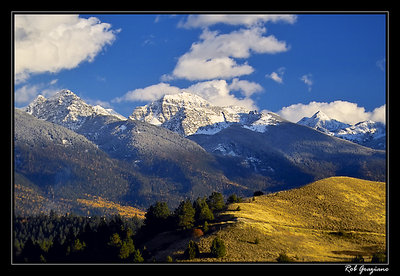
(331, 220)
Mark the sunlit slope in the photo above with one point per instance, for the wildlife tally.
(331, 220)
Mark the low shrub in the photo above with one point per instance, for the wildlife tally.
(378, 257)
(218, 248)
(283, 258)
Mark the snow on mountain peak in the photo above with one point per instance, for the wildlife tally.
(185, 98)
(188, 114)
(364, 133)
(64, 108)
(323, 123)
(99, 110)
(321, 116)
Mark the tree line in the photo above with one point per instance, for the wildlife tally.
(69, 238)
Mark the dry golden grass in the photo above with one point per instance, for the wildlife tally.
(98, 202)
(331, 220)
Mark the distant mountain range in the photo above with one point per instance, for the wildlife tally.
(189, 114)
(180, 146)
(367, 133)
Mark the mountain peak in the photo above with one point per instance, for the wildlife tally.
(321, 116)
(368, 133)
(185, 99)
(64, 108)
(65, 93)
(187, 114)
(322, 122)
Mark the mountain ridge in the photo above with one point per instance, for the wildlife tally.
(367, 133)
(151, 163)
(189, 114)
(241, 152)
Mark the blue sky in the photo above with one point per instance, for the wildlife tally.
(291, 64)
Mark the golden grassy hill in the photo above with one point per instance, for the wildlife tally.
(330, 220)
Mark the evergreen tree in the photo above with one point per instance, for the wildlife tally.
(78, 246)
(216, 202)
(157, 218)
(202, 211)
(127, 248)
(157, 213)
(137, 257)
(185, 215)
(115, 240)
(234, 199)
(192, 251)
(218, 248)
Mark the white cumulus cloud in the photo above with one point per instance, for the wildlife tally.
(379, 114)
(247, 88)
(342, 111)
(218, 92)
(214, 56)
(50, 43)
(29, 92)
(149, 93)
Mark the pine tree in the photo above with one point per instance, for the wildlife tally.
(216, 202)
(78, 246)
(192, 251)
(127, 248)
(137, 257)
(185, 215)
(115, 240)
(157, 218)
(157, 213)
(234, 199)
(202, 211)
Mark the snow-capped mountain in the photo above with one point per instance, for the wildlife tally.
(189, 114)
(322, 122)
(366, 133)
(67, 109)
(140, 160)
